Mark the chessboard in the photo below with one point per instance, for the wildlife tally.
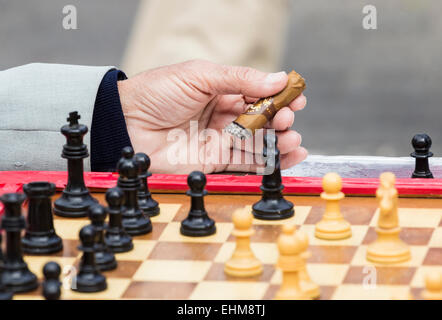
(166, 265)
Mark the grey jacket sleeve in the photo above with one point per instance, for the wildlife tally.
(35, 100)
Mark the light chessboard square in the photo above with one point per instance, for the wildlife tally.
(172, 233)
(217, 290)
(415, 217)
(167, 212)
(172, 271)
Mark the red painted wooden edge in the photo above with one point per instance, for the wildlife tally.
(223, 183)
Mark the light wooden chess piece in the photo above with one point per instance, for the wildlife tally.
(291, 246)
(333, 226)
(433, 286)
(310, 288)
(243, 262)
(388, 248)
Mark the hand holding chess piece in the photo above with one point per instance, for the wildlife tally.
(388, 248)
(243, 262)
(333, 226)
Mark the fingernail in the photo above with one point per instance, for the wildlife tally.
(276, 77)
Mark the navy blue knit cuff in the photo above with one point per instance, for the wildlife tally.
(108, 132)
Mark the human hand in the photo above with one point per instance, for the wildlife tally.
(179, 96)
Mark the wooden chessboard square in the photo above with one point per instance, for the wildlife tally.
(157, 231)
(140, 251)
(354, 215)
(218, 211)
(436, 239)
(377, 292)
(168, 211)
(159, 290)
(415, 217)
(321, 274)
(326, 292)
(434, 257)
(172, 271)
(70, 249)
(69, 229)
(418, 254)
(125, 269)
(411, 236)
(36, 263)
(418, 280)
(379, 275)
(172, 233)
(184, 251)
(115, 289)
(358, 233)
(301, 214)
(216, 273)
(263, 233)
(267, 253)
(219, 290)
(332, 254)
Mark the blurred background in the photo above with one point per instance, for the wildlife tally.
(369, 91)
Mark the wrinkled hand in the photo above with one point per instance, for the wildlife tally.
(160, 100)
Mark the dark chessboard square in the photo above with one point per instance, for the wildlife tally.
(326, 292)
(217, 211)
(384, 275)
(159, 290)
(354, 215)
(157, 230)
(263, 233)
(332, 254)
(185, 251)
(125, 269)
(411, 236)
(216, 273)
(434, 257)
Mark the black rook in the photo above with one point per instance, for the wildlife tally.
(16, 275)
(40, 236)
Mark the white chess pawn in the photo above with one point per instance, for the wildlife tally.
(433, 286)
(333, 226)
(307, 285)
(243, 262)
(291, 247)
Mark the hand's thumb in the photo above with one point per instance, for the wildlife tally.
(243, 80)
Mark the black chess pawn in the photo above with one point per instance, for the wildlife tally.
(148, 205)
(272, 205)
(104, 257)
(16, 275)
(116, 237)
(51, 284)
(5, 294)
(134, 222)
(197, 223)
(422, 144)
(76, 198)
(88, 278)
(40, 236)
